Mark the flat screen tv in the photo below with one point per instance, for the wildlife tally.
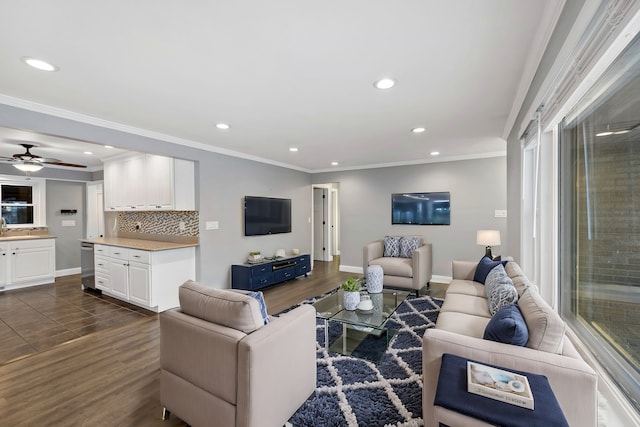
(266, 215)
(421, 208)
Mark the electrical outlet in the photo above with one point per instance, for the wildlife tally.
(500, 213)
(182, 226)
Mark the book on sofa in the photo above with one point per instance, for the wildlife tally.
(499, 385)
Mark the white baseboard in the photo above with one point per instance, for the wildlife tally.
(68, 272)
(351, 269)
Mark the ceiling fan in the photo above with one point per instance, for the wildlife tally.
(28, 162)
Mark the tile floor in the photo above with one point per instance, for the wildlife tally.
(37, 318)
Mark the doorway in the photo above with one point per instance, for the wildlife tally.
(325, 230)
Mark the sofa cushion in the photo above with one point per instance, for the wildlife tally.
(391, 246)
(485, 265)
(546, 327)
(507, 326)
(224, 307)
(408, 245)
(520, 280)
(466, 287)
(401, 267)
(462, 323)
(500, 289)
(466, 304)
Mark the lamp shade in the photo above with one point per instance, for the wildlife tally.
(488, 237)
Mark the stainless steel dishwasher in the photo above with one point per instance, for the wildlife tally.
(87, 269)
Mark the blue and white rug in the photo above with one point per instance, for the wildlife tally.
(356, 392)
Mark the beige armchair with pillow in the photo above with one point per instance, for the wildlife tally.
(405, 260)
(221, 365)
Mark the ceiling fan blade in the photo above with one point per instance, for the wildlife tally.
(59, 163)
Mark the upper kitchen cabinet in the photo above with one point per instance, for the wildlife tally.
(149, 182)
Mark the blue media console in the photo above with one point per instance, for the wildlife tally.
(253, 277)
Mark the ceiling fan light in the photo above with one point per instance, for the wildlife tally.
(28, 166)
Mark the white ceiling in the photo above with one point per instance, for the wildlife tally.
(283, 73)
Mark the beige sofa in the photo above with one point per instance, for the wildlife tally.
(412, 273)
(459, 330)
(222, 366)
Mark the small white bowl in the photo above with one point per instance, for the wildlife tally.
(365, 305)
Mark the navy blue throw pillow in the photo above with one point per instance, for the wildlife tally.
(507, 326)
(485, 265)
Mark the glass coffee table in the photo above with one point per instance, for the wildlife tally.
(358, 325)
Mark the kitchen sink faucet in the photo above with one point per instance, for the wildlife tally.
(3, 221)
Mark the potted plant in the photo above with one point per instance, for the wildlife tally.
(351, 293)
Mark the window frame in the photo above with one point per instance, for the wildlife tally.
(38, 192)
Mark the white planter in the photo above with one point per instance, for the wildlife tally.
(374, 279)
(350, 300)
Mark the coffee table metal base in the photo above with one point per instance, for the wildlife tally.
(352, 336)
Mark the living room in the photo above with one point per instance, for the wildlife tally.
(479, 185)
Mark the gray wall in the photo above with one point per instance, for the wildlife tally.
(477, 187)
(221, 183)
(66, 195)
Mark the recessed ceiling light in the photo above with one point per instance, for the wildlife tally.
(39, 64)
(418, 130)
(293, 149)
(334, 163)
(108, 146)
(88, 153)
(222, 126)
(385, 83)
(435, 153)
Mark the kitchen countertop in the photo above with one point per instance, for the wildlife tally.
(11, 238)
(141, 244)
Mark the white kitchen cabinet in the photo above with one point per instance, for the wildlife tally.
(114, 182)
(149, 279)
(27, 262)
(4, 264)
(149, 182)
(139, 283)
(135, 186)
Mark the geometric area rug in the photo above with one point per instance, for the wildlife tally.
(357, 392)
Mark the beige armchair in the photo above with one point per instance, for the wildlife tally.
(222, 366)
(408, 273)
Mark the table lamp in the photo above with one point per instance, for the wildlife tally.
(488, 238)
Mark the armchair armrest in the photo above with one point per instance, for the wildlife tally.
(372, 251)
(277, 368)
(574, 383)
(463, 270)
(422, 265)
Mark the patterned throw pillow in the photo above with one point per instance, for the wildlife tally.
(408, 245)
(497, 276)
(392, 246)
(499, 289)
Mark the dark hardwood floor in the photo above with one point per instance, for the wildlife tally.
(107, 375)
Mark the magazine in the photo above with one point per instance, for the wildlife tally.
(499, 385)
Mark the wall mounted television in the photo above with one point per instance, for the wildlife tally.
(421, 208)
(266, 215)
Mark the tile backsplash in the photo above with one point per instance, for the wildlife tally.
(160, 222)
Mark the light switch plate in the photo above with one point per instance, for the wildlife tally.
(500, 213)
(211, 225)
(68, 223)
